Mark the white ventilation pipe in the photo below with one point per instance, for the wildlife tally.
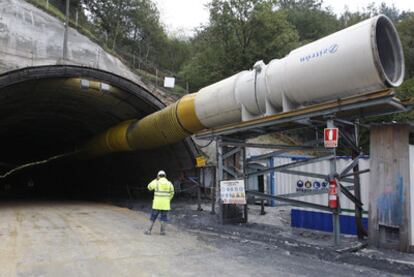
(362, 58)
(365, 57)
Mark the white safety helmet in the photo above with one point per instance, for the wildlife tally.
(161, 173)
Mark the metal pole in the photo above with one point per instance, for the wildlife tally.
(271, 182)
(246, 183)
(199, 191)
(65, 37)
(335, 215)
(361, 232)
(219, 150)
(47, 4)
(213, 198)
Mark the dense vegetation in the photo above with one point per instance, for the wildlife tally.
(239, 33)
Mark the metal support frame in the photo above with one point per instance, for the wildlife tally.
(230, 165)
(346, 109)
(280, 168)
(344, 114)
(227, 148)
(314, 143)
(289, 200)
(361, 232)
(219, 177)
(272, 181)
(245, 177)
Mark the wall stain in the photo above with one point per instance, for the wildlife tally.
(390, 204)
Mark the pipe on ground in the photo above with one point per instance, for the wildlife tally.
(365, 57)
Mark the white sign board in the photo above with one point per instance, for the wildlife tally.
(169, 82)
(233, 192)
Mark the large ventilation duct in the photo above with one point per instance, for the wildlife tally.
(365, 57)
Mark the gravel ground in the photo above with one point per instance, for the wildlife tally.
(69, 238)
(269, 238)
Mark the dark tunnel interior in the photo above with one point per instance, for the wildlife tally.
(48, 111)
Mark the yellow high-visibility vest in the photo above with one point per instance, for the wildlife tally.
(163, 193)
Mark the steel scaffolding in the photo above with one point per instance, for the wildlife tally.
(345, 114)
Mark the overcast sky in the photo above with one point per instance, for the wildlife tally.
(185, 15)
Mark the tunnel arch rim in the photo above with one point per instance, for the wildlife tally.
(72, 71)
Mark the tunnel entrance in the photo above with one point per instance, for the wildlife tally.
(50, 110)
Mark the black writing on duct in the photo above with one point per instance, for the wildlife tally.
(318, 54)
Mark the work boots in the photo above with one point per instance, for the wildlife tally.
(148, 232)
(162, 229)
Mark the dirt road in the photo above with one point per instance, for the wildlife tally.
(92, 239)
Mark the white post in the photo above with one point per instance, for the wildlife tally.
(77, 18)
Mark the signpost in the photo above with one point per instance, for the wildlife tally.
(233, 192)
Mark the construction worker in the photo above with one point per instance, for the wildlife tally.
(163, 194)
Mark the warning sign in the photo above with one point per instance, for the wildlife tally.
(233, 192)
(311, 186)
(200, 161)
(331, 136)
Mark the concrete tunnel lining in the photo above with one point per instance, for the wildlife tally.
(37, 123)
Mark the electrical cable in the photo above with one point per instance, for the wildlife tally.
(24, 166)
(208, 144)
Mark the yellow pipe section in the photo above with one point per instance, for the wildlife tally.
(112, 140)
(167, 126)
(187, 115)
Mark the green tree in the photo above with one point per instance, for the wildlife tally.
(390, 11)
(349, 18)
(406, 31)
(310, 19)
(111, 19)
(75, 5)
(132, 28)
(240, 32)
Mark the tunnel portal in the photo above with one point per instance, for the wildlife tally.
(51, 110)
